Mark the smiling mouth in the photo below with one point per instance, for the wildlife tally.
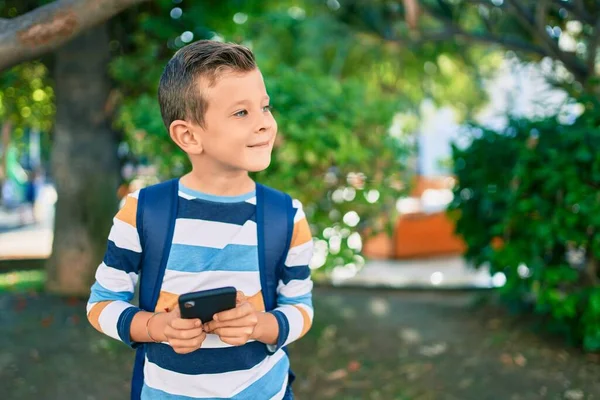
(259, 145)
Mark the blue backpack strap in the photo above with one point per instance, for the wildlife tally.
(275, 221)
(275, 226)
(155, 220)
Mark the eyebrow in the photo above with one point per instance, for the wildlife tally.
(242, 102)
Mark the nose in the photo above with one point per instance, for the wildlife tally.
(265, 123)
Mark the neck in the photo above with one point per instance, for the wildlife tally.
(218, 182)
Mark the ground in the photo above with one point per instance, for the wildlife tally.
(365, 344)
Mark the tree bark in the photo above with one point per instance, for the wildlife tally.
(84, 163)
(48, 27)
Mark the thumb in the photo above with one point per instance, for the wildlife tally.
(240, 298)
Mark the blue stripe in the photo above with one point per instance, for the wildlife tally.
(149, 393)
(265, 387)
(207, 361)
(124, 325)
(304, 299)
(215, 198)
(189, 258)
(269, 384)
(100, 293)
(122, 259)
(231, 213)
(284, 329)
(292, 273)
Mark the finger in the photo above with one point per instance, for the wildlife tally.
(235, 313)
(234, 341)
(181, 323)
(211, 326)
(183, 333)
(240, 297)
(234, 332)
(193, 343)
(184, 350)
(248, 320)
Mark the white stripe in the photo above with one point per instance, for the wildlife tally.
(124, 236)
(89, 307)
(135, 194)
(115, 279)
(110, 316)
(213, 234)
(251, 200)
(295, 320)
(299, 210)
(185, 195)
(178, 282)
(295, 288)
(212, 341)
(300, 255)
(222, 385)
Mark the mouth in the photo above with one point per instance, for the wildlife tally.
(260, 145)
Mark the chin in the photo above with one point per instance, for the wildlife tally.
(258, 165)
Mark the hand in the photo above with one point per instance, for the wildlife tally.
(184, 335)
(235, 326)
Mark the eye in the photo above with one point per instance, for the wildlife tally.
(268, 108)
(241, 113)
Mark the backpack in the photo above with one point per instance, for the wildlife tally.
(156, 213)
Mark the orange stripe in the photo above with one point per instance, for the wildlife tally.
(94, 314)
(128, 212)
(301, 233)
(257, 301)
(307, 321)
(166, 301)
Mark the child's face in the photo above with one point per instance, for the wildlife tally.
(239, 129)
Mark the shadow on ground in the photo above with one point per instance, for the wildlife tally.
(365, 344)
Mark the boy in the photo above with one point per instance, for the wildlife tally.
(216, 108)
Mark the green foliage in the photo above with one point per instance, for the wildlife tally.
(335, 154)
(527, 203)
(27, 97)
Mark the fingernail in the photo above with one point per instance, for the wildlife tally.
(198, 323)
(215, 317)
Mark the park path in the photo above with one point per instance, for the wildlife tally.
(365, 344)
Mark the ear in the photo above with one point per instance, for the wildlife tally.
(186, 136)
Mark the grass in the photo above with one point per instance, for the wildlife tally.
(22, 281)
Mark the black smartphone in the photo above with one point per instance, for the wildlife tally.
(206, 303)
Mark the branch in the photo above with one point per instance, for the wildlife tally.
(570, 61)
(593, 47)
(48, 27)
(558, 4)
(509, 43)
(541, 12)
(451, 31)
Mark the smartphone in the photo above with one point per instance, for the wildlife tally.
(206, 303)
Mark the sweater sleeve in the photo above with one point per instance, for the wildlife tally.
(294, 310)
(109, 309)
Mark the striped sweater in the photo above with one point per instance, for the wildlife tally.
(214, 245)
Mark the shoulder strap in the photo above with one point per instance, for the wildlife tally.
(157, 208)
(155, 220)
(275, 224)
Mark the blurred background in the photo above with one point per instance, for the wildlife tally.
(446, 152)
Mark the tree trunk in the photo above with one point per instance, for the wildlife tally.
(84, 163)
